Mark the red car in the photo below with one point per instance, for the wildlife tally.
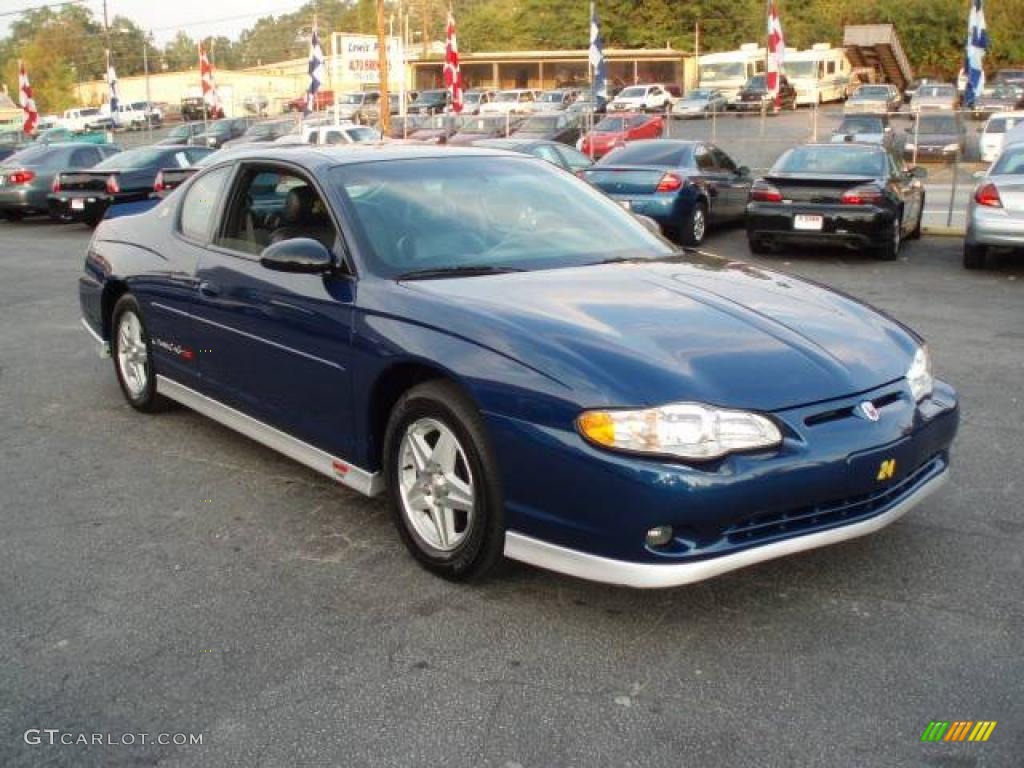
(615, 130)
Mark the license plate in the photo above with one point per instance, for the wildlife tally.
(803, 221)
(626, 204)
(77, 205)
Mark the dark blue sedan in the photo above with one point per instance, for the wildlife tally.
(517, 363)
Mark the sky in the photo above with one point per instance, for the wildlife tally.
(199, 18)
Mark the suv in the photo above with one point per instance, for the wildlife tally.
(192, 109)
(642, 98)
(430, 102)
(754, 96)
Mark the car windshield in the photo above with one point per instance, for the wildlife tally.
(611, 125)
(802, 68)
(660, 153)
(701, 94)
(430, 97)
(836, 160)
(756, 83)
(632, 93)
(860, 124)
(871, 93)
(133, 158)
(472, 97)
(727, 70)
(487, 213)
(351, 98)
(936, 91)
(540, 124)
(1011, 162)
(552, 97)
(938, 124)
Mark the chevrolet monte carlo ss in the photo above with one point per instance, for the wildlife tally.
(517, 363)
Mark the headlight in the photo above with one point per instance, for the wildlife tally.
(919, 377)
(951, 148)
(684, 430)
(910, 146)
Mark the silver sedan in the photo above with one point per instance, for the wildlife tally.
(995, 214)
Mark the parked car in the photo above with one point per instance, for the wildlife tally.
(81, 119)
(345, 133)
(995, 213)
(642, 98)
(322, 99)
(269, 130)
(994, 132)
(1001, 98)
(475, 98)
(517, 101)
(555, 126)
(431, 102)
(27, 176)
(195, 108)
(395, 103)
(1009, 76)
(127, 177)
(586, 104)
(700, 102)
(473, 127)
(685, 186)
(874, 98)
(913, 85)
(555, 100)
(754, 96)
(554, 152)
(615, 131)
(182, 134)
(940, 96)
(360, 107)
(436, 130)
(514, 360)
(219, 132)
(11, 142)
(941, 137)
(867, 129)
(63, 135)
(135, 116)
(857, 196)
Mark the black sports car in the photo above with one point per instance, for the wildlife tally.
(852, 195)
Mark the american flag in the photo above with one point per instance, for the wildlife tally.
(209, 86)
(452, 73)
(776, 50)
(317, 73)
(977, 44)
(28, 104)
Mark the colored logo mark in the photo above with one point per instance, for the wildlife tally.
(958, 730)
(887, 469)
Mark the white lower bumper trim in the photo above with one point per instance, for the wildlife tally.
(654, 575)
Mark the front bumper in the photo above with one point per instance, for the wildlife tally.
(842, 225)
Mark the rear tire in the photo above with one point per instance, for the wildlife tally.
(915, 233)
(975, 256)
(460, 542)
(695, 225)
(889, 250)
(132, 354)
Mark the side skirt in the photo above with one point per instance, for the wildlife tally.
(369, 483)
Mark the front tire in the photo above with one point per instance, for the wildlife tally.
(695, 225)
(443, 482)
(132, 354)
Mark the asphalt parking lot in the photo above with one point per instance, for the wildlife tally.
(162, 574)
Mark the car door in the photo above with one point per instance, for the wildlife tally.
(712, 180)
(277, 345)
(908, 188)
(733, 184)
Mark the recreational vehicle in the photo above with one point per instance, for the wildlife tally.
(820, 74)
(728, 71)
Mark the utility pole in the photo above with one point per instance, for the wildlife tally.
(426, 45)
(145, 69)
(384, 104)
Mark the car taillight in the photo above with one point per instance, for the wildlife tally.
(868, 194)
(20, 176)
(158, 185)
(763, 192)
(112, 186)
(56, 184)
(669, 183)
(988, 195)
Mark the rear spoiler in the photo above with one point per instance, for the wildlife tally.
(170, 179)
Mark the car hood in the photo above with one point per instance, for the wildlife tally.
(704, 329)
(929, 137)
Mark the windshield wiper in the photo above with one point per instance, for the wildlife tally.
(466, 270)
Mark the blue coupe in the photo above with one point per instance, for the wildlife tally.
(518, 363)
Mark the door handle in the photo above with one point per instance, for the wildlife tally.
(206, 288)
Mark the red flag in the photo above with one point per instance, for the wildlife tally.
(28, 104)
(452, 73)
(209, 86)
(776, 50)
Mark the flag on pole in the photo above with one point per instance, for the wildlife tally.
(598, 64)
(26, 101)
(977, 45)
(317, 73)
(776, 51)
(112, 95)
(210, 98)
(452, 73)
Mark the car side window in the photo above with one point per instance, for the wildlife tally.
(271, 205)
(703, 159)
(574, 159)
(200, 202)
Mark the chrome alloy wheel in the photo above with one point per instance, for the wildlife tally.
(699, 224)
(132, 354)
(435, 484)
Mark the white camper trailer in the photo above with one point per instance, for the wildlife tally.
(820, 74)
(728, 71)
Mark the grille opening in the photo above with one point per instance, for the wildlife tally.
(838, 414)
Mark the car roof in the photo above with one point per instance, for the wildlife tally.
(318, 156)
(863, 146)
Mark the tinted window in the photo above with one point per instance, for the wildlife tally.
(201, 202)
(1010, 162)
(546, 152)
(133, 158)
(575, 159)
(84, 157)
(722, 160)
(654, 153)
(938, 124)
(834, 160)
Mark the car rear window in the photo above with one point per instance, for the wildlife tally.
(1011, 162)
(653, 153)
(833, 160)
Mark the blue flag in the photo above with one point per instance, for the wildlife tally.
(598, 63)
(317, 74)
(977, 45)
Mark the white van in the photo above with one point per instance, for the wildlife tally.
(729, 71)
(820, 74)
(993, 134)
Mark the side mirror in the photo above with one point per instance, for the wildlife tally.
(650, 224)
(918, 172)
(743, 172)
(299, 255)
